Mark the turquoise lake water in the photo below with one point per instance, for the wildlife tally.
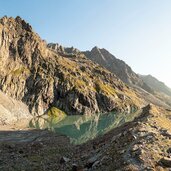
(83, 128)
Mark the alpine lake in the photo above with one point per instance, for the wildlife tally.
(81, 128)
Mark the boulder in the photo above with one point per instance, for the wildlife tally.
(166, 162)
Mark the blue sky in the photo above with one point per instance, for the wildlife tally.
(136, 31)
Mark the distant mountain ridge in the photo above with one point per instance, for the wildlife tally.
(156, 84)
(162, 91)
(154, 88)
(116, 66)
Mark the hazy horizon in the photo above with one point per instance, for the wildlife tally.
(138, 32)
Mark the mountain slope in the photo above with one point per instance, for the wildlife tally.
(161, 91)
(116, 66)
(43, 78)
(157, 85)
(119, 68)
(127, 75)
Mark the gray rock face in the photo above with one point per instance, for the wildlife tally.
(116, 66)
(12, 111)
(43, 77)
(63, 50)
(166, 162)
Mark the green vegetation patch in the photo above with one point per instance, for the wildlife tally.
(57, 113)
(105, 88)
(80, 83)
(20, 71)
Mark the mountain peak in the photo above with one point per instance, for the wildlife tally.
(94, 48)
(19, 42)
(13, 22)
(117, 66)
(97, 49)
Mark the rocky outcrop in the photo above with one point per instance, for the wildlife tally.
(44, 77)
(64, 51)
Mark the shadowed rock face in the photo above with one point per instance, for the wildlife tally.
(116, 66)
(43, 78)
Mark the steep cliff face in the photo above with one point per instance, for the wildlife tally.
(43, 78)
(21, 51)
(116, 66)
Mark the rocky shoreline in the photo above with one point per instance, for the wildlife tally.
(142, 144)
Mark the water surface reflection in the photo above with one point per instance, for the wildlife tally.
(83, 128)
